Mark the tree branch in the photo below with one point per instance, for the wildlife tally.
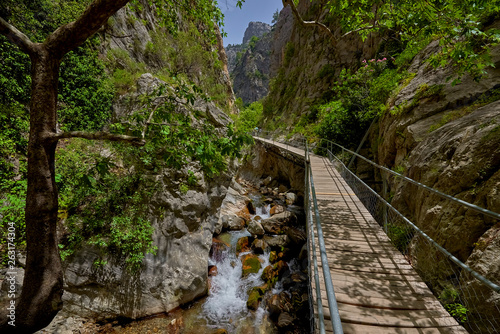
(73, 34)
(361, 29)
(136, 141)
(16, 37)
(307, 23)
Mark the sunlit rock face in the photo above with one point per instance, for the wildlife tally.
(249, 62)
(448, 140)
(183, 222)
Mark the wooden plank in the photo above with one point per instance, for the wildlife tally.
(377, 290)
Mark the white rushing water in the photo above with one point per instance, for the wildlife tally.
(226, 304)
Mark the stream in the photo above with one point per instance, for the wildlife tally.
(225, 309)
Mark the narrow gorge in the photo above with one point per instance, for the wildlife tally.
(167, 216)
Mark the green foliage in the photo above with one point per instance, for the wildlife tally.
(289, 52)
(86, 93)
(249, 118)
(355, 99)
(451, 301)
(327, 72)
(460, 26)
(276, 16)
(13, 169)
(400, 236)
(105, 205)
(253, 42)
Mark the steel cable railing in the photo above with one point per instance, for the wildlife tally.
(466, 294)
(311, 202)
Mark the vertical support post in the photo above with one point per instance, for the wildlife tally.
(384, 195)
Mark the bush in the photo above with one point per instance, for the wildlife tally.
(356, 98)
(249, 118)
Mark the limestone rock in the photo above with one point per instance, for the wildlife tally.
(255, 296)
(212, 271)
(251, 264)
(242, 245)
(277, 241)
(255, 228)
(485, 259)
(259, 246)
(249, 63)
(277, 209)
(273, 273)
(234, 202)
(297, 236)
(285, 319)
(291, 198)
(277, 223)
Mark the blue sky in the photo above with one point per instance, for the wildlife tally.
(236, 20)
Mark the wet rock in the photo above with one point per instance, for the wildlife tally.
(282, 189)
(234, 202)
(217, 249)
(276, 224)
(278, 304)
(255, 296)
(212, 271)
(259, 246)
(251, 265)
(273, 273)
(220, 331)
(255, 228)
(275, 256)
(277, 209)
(244, 214)
(297, 236)
(277, 242)
(303, 253)
(251, 208)
(291, 198)
(267, 181)
(234, 223)
(285, 320)
(242, 245)
(297, 279)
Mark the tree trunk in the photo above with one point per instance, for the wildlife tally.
(41, 296)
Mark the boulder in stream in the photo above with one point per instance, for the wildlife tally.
(242, 245)
(251, 264)
(276, 224)
(259, 246)
(273, 273)
(255, 228)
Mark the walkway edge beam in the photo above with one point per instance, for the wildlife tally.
(330, 292)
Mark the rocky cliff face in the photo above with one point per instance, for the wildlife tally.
(304, 61)
(183, 223)
(249, 63)
(448, 139)
(183, 220)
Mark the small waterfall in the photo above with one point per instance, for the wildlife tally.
(263, 211)
(226, 306)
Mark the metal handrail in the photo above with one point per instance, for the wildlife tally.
(312, 247)
(330, 292)
(437, 192)
(494, 287)
(450, 256)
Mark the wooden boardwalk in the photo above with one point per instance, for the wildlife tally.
(377, 290)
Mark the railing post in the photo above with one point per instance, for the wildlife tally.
(384, 195)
